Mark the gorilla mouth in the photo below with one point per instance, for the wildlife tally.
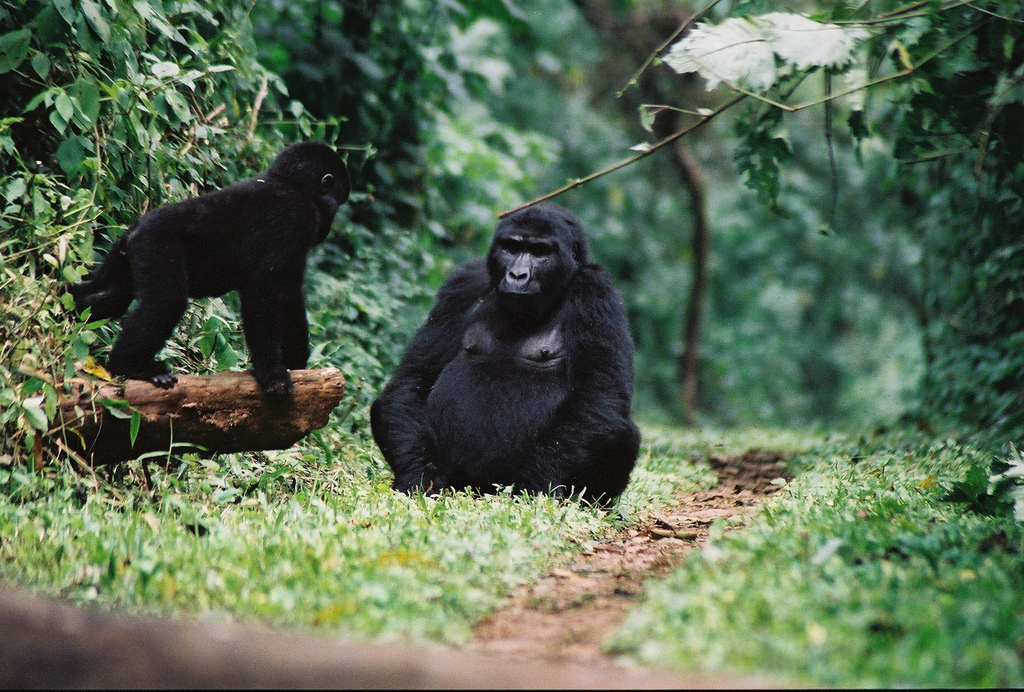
(530, 289)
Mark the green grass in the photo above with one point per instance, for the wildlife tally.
(857, 574)
(310, 537)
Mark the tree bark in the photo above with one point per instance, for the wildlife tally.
(225, 412)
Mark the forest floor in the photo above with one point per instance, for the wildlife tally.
(550, 634)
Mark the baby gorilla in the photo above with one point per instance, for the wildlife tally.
(252, 237)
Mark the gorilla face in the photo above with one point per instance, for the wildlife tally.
(533, 257)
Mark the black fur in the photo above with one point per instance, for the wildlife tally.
(252, 237)
(522, 374)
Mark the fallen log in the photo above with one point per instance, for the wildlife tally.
(225, 412)
(47, 643)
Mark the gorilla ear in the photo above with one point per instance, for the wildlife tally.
(326, 183)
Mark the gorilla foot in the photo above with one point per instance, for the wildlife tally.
(276, 382)
(424, 482)
(164, 380)
(156, 373)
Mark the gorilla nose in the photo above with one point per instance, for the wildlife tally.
(518, 276)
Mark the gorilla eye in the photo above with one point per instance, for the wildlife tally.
(326, 183)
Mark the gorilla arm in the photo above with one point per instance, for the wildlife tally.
(591, 442)
(398, 416)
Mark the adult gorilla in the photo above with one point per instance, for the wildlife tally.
(521, 376)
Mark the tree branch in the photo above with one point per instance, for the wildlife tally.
(632, 159)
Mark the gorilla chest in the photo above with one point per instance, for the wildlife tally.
(538, 355)
(494, 397)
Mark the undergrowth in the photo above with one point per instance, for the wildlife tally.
(862, 572)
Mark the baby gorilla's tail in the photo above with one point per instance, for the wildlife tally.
(108, 289)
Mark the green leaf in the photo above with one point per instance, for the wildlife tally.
(133, 431)
(14, 49)
(96, 20)
(50, 26)
(118, 408)
(858, 125)
(67, 11)
(154, 17)
(43, 96)
(179, 105)
(64, 105)
(70, 154)
(41, 64)
(32, 386)
(85, 94)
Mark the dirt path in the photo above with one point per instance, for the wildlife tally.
(566, 616)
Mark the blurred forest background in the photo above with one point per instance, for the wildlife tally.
(764, 284)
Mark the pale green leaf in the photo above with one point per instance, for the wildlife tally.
(734, 52)
(65, 106)
(163, 70)
(742, 52)
(58, 121)
(34, 414)
(1017, 494)
(806, 43)
(15, 189)
(1009, 89)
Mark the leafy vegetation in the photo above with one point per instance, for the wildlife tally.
(109, 110)
(858, 574)
(939, 85)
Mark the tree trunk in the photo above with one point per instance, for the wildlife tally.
(225, 412)
(700, 243)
